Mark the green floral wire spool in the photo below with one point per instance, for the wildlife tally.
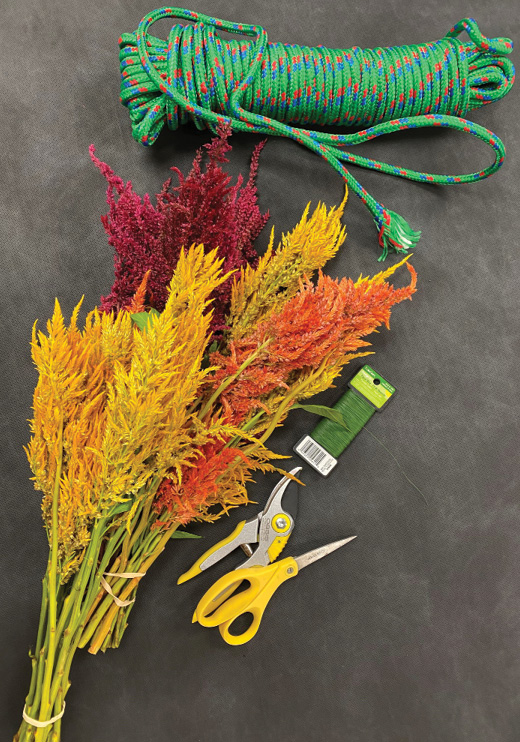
(283, 89)
(368, 393)
(334, 437)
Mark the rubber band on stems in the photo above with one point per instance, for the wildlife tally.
(42, 724)
(126, 576)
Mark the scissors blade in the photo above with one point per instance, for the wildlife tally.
(312, 556)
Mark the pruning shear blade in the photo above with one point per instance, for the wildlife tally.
(270, 529)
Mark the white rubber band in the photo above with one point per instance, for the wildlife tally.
(41, 724)
(125, 575)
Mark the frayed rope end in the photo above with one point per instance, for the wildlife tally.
(396, 235)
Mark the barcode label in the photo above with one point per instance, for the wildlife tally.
(315, 455)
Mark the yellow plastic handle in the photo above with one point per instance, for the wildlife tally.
(216, 608)
(195, 569)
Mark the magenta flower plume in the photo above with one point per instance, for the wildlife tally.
(135, 230)
(203, 208)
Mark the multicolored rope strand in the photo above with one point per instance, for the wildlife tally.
(271, 88)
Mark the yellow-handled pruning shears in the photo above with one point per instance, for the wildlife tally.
(270, 529)
(219, 607)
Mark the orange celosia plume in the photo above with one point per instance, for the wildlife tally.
(200, 487)
(322, 322)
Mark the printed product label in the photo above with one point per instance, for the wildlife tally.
(372, 386)
(315, 455)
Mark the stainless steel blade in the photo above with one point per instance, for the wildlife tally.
(266, 533)
(281, 487)
(312, 556)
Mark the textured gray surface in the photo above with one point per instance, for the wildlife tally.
(410, 633)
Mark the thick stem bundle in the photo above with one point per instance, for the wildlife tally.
(82, 610)
(62, 621)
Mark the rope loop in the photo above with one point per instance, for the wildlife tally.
(285, 89)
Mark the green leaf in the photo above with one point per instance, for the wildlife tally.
(211, 349)
(184, 534)
(121, 508)
(323, 411)
(141, 319)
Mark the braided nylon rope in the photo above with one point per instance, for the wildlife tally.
(268, 88)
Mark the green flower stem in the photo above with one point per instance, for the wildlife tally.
(287, 403)
(230, 379)
(68, 616)
(108, 602)
(72, 613)
(128, 536)
(120, 622)
(56, 732)
(104, 601)
(70, 642)
(111, 545)
(251, 423)
(119, 626)
(52, 582)
(144, 509)
(156, 541)
(145, 518)
(247, 426)
(38, 648)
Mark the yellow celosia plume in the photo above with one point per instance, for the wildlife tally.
(147, 409)
(75, 369)
(115, 401)
(312, 242)
(382, 275)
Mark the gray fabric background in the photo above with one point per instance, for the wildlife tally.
(410, 633)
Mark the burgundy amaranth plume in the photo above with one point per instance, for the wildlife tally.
(203, 208)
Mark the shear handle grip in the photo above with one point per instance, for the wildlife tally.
(264, 581)
(225, 547)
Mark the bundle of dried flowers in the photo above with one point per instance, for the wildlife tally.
(143, 421)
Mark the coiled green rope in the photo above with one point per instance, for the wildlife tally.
(269, 87)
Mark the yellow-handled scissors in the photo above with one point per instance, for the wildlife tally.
(220, 607)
